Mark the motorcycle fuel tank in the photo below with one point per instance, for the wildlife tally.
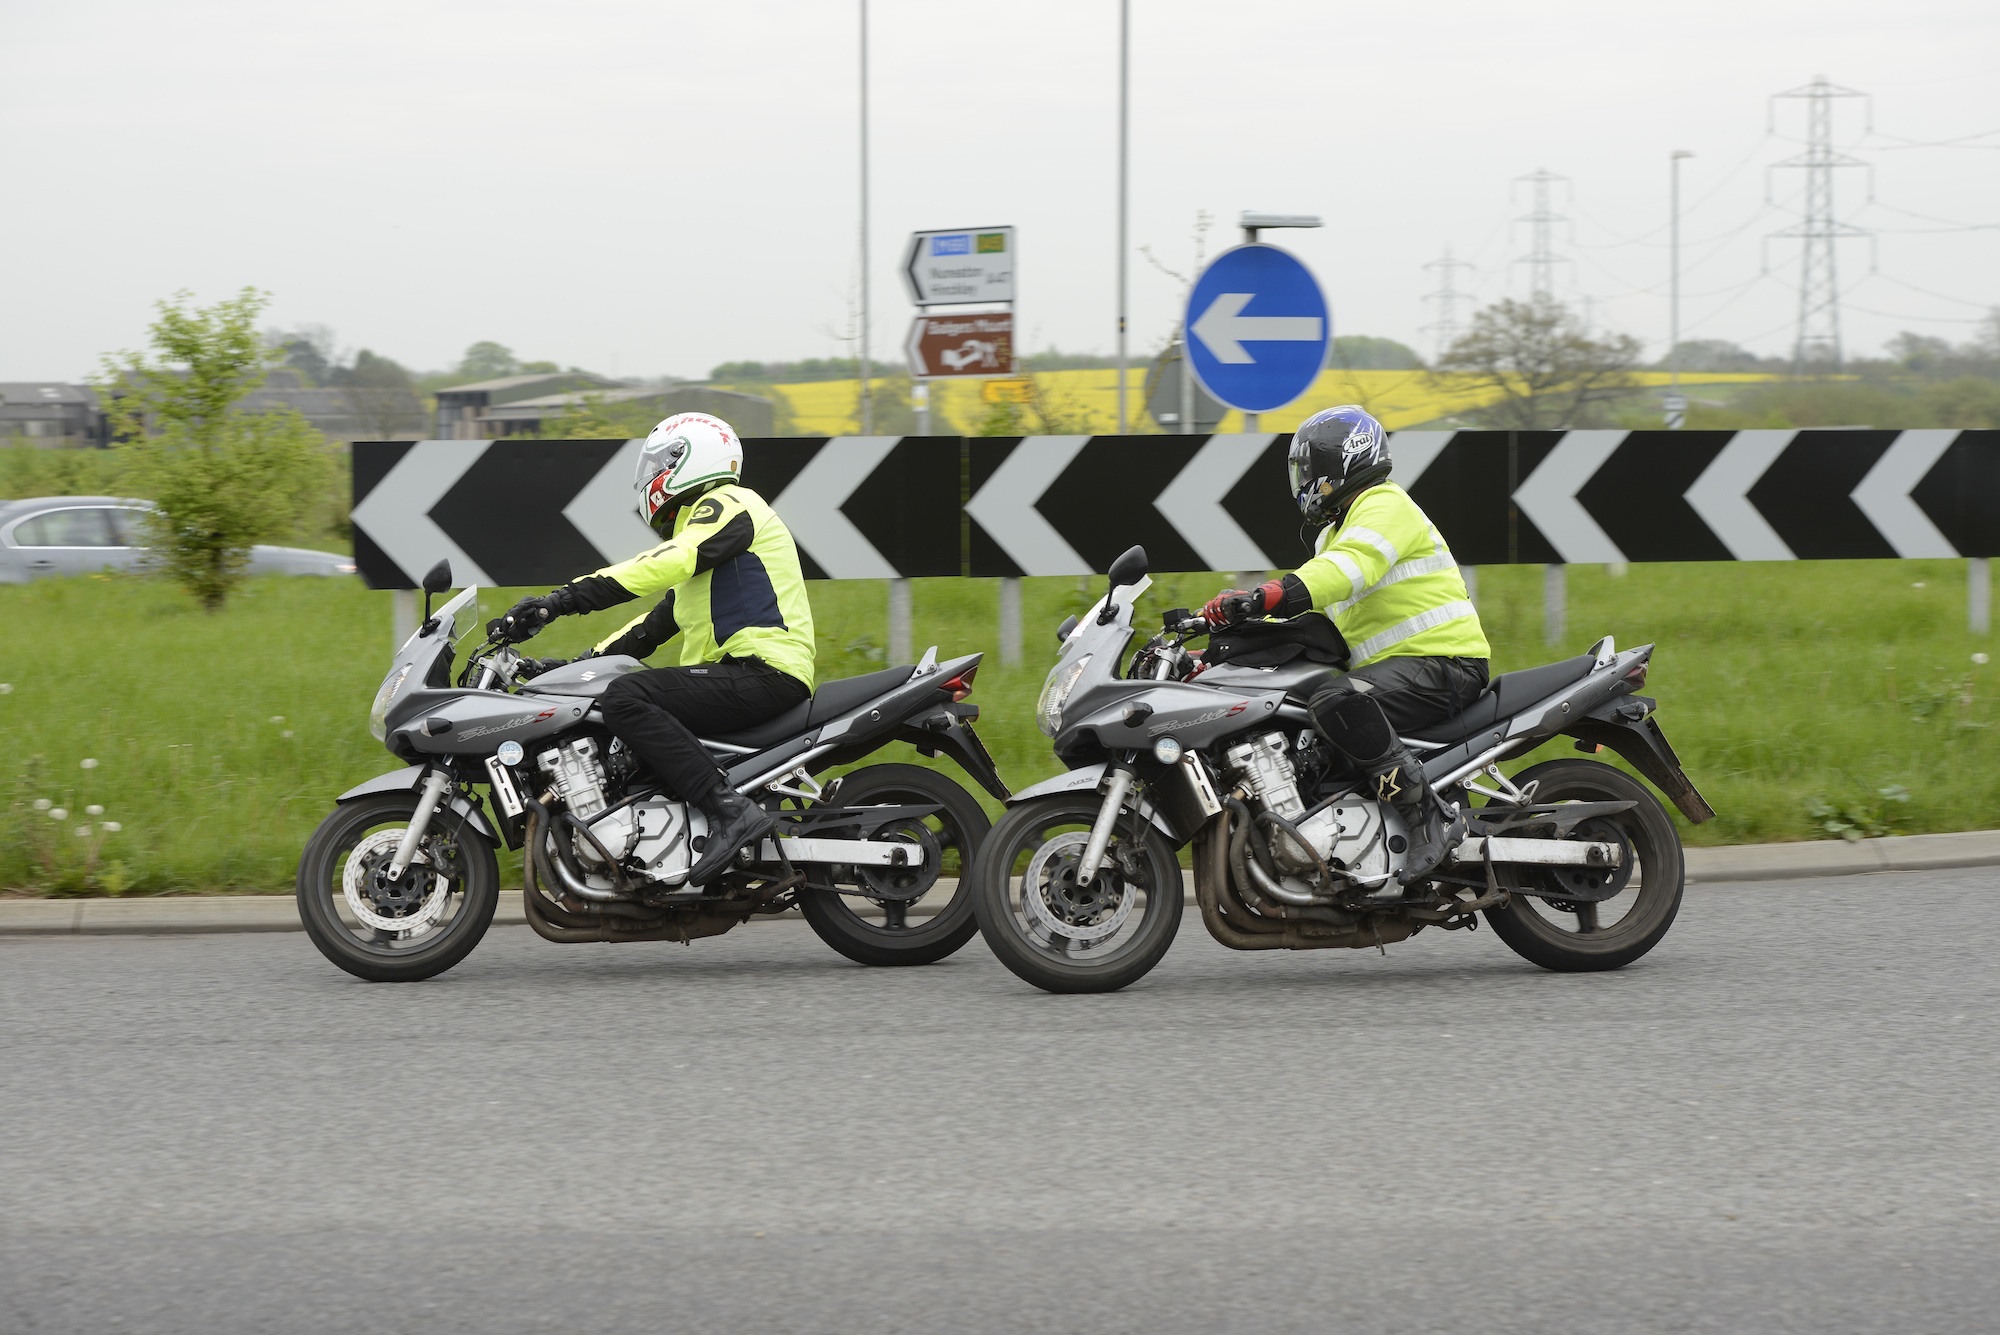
(1125, 714)
(585, 677)
(467, 722)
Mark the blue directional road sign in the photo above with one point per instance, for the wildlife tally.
(1257, 328)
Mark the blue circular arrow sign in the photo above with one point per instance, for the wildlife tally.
(1257, 328)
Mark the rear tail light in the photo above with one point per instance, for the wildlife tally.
(1635, 676)
(961, 685)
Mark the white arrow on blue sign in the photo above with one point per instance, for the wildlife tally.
(1258, 327)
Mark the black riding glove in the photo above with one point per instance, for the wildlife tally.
(525, 619)
(535, 667)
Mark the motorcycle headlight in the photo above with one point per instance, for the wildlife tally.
(1055, 694)
(378, 713)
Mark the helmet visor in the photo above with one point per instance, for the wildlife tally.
(654, 477)
(1299, 462)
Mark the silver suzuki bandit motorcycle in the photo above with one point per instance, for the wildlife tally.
(1575, 864)
(401, 881)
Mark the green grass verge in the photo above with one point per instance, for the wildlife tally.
(1805, 699)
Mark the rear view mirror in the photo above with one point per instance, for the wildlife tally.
(1130, 565)
(438, 578)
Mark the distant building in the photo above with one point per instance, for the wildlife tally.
(462, 409)
(750, 414)
(344, 413)
(41, 412)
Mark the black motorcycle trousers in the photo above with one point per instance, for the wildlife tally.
(1364, 712)
(658, 713)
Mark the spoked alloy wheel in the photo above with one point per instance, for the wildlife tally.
(413, 927)
(898, 915)
(1603, 931)
(1059, 932)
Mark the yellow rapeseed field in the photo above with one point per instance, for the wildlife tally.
(1399, 398)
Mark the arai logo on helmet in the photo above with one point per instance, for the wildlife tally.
(1366, 440)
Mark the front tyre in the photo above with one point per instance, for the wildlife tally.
(1062, 934)
(950, 838)
(396, 931)
(1587, 936)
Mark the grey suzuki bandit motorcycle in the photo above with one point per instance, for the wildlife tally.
(1575, 864)
(401, 881)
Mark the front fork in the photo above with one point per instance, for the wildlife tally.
(436, 785)
(1117, 787)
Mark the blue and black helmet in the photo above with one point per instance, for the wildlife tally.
(1336, 454)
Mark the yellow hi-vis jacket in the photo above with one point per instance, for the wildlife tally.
(733, 584)
(1388, 581)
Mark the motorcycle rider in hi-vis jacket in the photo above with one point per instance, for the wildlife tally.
(735, 597)
(1381, 570)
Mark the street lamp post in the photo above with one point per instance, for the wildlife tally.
(867, 371)
(1124, 115)
(1676, 404)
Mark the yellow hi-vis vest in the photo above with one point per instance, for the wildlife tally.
(734, 588)
(1388, 581)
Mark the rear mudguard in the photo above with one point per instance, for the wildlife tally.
(1644, 747)
(950, 731)
(1089, 779)
(403, 780)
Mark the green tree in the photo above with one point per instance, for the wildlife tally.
(487, 360)
(1549, 370)
(222, 479)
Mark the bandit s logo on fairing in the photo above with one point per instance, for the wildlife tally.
(1210, 717)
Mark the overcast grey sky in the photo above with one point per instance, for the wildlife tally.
(656, 187)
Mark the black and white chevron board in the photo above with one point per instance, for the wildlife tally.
(531, 512)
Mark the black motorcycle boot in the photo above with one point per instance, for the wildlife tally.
(1398, 780)
(734, 822)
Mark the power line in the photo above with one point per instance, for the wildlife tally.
(1819, 231)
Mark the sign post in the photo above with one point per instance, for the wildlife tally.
(1257, 329)
(963, 266)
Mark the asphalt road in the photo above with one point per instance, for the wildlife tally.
(1783, 1120)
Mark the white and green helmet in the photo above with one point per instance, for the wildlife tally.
(686, 453)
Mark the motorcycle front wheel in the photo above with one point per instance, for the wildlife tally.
(1062, 934)
(396, 931)
(890, 916)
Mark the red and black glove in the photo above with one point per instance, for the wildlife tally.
(1234, 605)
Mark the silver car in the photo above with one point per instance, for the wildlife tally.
(75, 535)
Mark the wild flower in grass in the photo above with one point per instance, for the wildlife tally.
(6, 688)
(83, 832)
(1917, 584)
(286, 733)
(1980, 660)
(87, 763)
(43, 804)
(277, 718)
(110, 826)
(58, 813)
(93, 810)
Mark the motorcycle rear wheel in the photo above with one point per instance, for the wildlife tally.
(1066, 937)
(450, 897)
(1572, 937)
(896, 938)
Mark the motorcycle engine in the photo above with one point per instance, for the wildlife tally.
(1352, 834)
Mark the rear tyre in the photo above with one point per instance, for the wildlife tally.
(878, 920)
(1058, 933)
(400, 931)
(1585, 937)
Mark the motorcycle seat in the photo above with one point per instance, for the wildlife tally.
(829, 702)
(1507, 694)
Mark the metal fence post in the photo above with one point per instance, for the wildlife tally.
(402, 615)
(1010, 621)
(899, 622)
(1979, 595)
(1555, 603)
